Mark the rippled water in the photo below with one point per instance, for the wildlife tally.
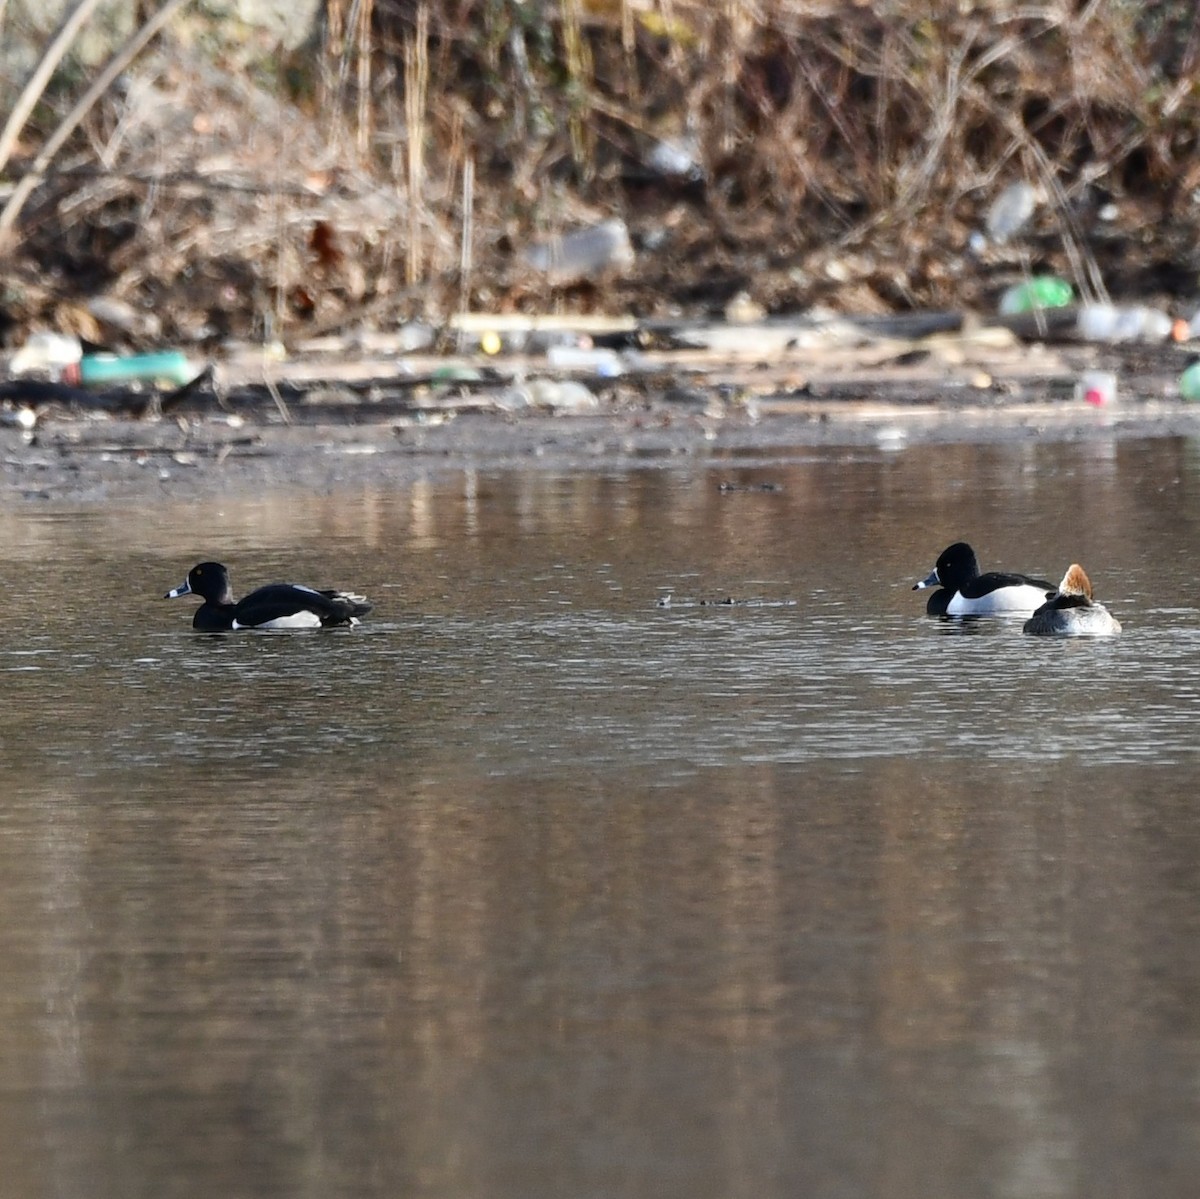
(531, 885)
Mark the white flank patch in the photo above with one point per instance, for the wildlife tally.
(298, 620)
(1009, 600)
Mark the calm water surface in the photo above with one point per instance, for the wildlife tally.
(532, 887)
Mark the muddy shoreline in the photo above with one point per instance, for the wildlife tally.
(111, 461)
(322, 424)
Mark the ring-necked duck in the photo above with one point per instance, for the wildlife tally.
(1071, 611)
(276, 606)
(963, 591)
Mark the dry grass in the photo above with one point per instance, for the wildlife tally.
(844, 153)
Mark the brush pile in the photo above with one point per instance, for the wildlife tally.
(785, 153)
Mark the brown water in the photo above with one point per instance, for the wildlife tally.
(530, 887)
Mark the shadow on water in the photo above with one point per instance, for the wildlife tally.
(531, 886)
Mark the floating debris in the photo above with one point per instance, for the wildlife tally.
(669, 601)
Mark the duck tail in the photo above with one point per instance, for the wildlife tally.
(348, 606)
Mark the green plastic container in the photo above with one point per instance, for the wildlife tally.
(1189, 382)
(167, 366)
(1042, 291)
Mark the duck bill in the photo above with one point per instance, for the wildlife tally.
(930, 580)
(176, 592)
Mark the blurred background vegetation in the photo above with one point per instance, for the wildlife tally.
(261, 168)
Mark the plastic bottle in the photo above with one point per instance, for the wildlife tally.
(1098, 388)
(1042, 291)
(582, 253)
(168, 366)
(1120, 322)
(606, 363)
(1189, 382)
(1009, 212)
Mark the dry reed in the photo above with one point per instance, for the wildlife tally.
(843, 154)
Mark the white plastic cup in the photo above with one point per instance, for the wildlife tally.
(1098, 388)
